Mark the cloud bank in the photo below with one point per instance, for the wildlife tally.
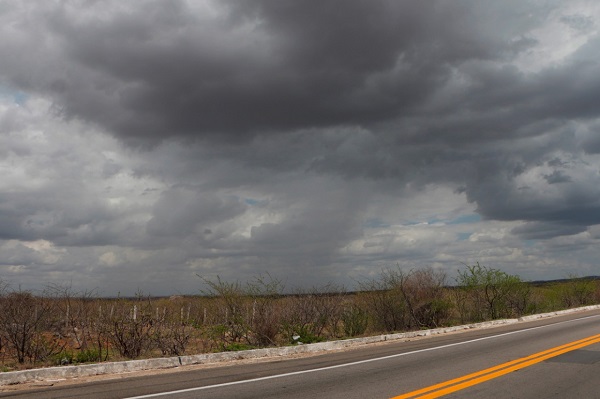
(144, 144)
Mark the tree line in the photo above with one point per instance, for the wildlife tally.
(62, 326)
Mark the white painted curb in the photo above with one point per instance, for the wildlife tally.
(63, 372)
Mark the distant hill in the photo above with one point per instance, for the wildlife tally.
(540, 283)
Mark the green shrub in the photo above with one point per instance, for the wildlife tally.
(237, 346)
(63, 358)
(355, 321)
(88, 356)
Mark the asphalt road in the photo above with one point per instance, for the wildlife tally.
(551, 358)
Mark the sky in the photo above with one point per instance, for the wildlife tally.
(147, 145)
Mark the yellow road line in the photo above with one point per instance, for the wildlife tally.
(478, 377)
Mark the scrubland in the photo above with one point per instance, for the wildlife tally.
(61, 326)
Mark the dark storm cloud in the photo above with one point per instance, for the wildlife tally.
(567, 208)
(163, 69)
(385, 96)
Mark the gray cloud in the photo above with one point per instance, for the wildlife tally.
(224, 137)
(537, 230)
(182, 211)
(557, 177)
(578, 22)
(165, 69)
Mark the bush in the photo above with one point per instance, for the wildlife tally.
(88, 356)
(129, 327)
(486, 294)
(237, 346)
(423, 292)
(313, 315)
(384, 302)
(61, 326)
(24, 320)
(355, 320)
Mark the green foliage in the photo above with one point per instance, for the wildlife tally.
(237, 346)
(485, 294)
(436, 312)
(217, 335)
(231, 308)
(72, 357)
(304, 335)
(355, 321)
(577, 291)
(88, 356)
(63, 358)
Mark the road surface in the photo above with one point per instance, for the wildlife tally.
(551, 358)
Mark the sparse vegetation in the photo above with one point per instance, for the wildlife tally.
(487, 294)
(60, 326)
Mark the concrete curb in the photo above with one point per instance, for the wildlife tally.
(64, 372)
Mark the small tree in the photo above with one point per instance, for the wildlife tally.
(24, 319)
(423, 291)
(355, 319)
(385, 301)
(232, 318)
(172, 329)
(77, 319)
(129, 326)
(487, 292)
(265, 320)
(577, 291)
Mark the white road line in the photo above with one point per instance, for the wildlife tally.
(270, 377)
